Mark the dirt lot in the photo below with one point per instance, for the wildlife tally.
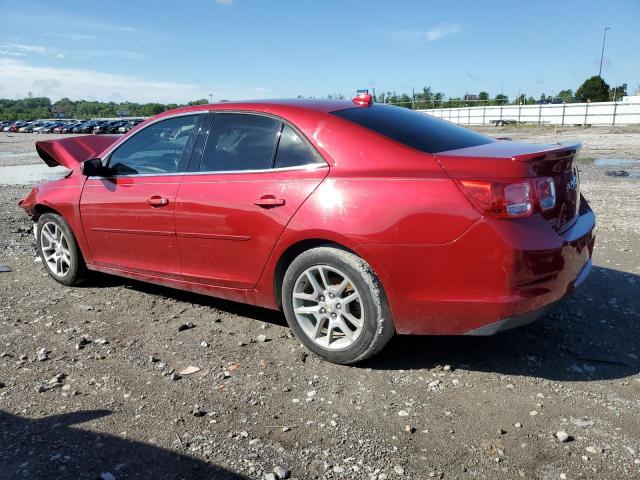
(101, 403)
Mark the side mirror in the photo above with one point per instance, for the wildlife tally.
(94, 168)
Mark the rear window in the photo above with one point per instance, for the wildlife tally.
(417, 130)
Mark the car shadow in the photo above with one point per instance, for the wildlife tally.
(593, 335)
(52, 448)
(103, 280)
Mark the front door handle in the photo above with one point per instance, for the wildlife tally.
(269, 201)
(157, 201)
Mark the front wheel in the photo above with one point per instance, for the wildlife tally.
(335, 305)
(58, 250)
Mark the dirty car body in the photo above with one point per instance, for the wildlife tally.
(466, 234)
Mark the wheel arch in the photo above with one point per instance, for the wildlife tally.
(41, 208)
(291, 252)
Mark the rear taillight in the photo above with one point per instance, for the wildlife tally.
(509, 199)
(546, 191)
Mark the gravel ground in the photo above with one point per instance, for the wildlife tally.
(87, 391)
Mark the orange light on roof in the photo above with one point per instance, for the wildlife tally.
(363, 98)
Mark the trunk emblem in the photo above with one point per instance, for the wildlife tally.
(573, 181)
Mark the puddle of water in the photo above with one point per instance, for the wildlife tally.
(16, 154)
(30, 174)
(616, 162)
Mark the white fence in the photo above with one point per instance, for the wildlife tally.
(600, 113)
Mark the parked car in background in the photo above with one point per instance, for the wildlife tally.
(9, 126)
(34, 125)
(84, 125)
(15, 126)
(51, 127)
(129, 125)
(358, 220)
(25, 128)
(114, 126)
(102, 127)
(68, 128)
(42, 127)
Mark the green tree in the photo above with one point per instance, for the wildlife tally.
(424, 99)
(566, 95)
(501, 99)
(618, 92)
(65, 107)
(594, 89)
(151, 109)
(483, 96)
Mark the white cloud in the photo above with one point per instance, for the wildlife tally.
(18, 77)
(54, 21)
(23, 48)
(126, 54)
(76, 37)
(11, 53)
(439, 32)
(420, 36)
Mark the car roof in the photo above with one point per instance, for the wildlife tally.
(275, 105)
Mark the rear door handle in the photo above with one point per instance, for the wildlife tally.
(269, 201)
(157, 201)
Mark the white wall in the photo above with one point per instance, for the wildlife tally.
(594, 113)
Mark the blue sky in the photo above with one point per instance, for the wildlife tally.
(233, 49)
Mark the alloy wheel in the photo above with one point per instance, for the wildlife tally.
(328, 307)
(55, 249)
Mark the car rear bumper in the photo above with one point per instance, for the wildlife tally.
(498, 275)
(526, 318)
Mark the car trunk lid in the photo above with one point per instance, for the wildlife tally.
(70, 152)
(507, 160)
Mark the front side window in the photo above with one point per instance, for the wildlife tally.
(239, 142)
(156, 149)
(292, 150)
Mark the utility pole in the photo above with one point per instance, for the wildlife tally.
(413, 98)
(604, 39)
(211, 98)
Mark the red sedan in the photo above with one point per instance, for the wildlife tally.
(358, 220)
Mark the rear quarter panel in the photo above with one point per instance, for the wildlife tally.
(358, 211)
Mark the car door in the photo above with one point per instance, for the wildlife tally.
(252, 175)
(128, 216)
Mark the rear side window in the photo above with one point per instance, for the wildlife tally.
(240, 141)
(292, 150)
(417, 130)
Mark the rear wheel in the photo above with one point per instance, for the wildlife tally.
(58, 250)
(336, 306)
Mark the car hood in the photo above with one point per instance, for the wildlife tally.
(70, 152)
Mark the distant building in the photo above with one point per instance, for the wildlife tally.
(470, 97)
(631, 99)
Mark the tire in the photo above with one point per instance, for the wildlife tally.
(358, 305)
(61, 257)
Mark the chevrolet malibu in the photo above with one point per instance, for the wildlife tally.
(358, 220)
